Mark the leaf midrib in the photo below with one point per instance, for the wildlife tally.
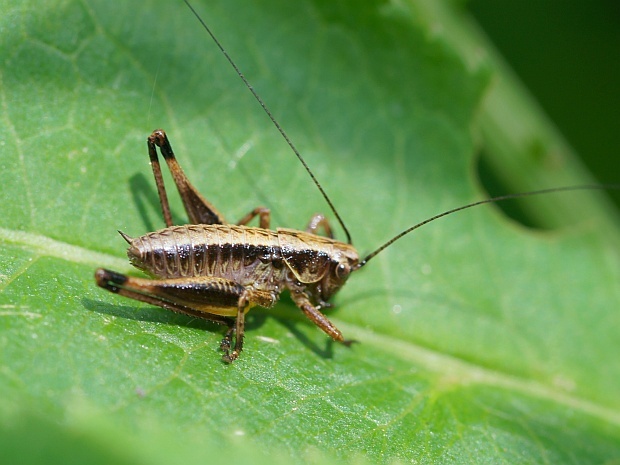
(46, 246)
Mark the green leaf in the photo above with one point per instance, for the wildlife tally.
(480, 340)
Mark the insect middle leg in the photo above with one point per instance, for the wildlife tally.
(317, 221)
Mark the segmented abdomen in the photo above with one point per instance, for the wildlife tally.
(242, 254)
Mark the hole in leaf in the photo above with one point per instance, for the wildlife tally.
(494, 186)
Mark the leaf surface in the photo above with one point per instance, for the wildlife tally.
(480, 340)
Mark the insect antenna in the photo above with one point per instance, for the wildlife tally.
(482, 202)
(273, 120)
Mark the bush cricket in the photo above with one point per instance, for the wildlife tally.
(216, 271)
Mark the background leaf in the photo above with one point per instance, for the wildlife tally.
(481, 340)
(551, 41)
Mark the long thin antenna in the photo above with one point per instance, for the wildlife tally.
(273, 120)
(482, 202)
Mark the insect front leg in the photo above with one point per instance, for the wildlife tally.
(315, 315)
(199, 210)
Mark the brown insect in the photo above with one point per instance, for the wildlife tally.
(217, 271)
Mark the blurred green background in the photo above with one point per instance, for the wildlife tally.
(567, 53)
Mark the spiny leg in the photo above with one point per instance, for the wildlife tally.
(198, 209)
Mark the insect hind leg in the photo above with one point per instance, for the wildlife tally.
(198, 209)
(159, 293)
(239, 330)
(226, 343)
(213, 299)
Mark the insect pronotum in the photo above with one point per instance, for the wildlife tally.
(217, 271)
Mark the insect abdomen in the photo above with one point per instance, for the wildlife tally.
(244, 255)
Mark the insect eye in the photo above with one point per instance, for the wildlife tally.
(342, 270)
